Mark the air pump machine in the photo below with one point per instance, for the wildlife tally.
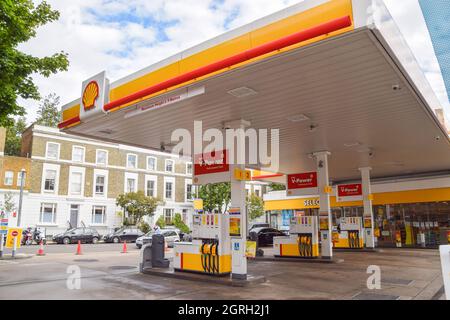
(210, 250)
(303, 241)
(351, 235)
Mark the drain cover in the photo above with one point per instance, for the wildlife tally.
(122, 267)
(374, 296)
(85, 260)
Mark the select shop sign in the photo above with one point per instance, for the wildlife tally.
(349, 192)
(302, 184)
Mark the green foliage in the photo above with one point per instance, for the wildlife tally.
(19, 20)
(14, 137)
(48, 113)
(137, 205)
(8, 205)
(178, 223)
(255, 207)
(161, 222)
(277, 187)
(215, 196)
(144, 227)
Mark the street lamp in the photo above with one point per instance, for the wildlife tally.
(22, 183)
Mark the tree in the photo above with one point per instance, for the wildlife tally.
(215, 196)
(277, 187)
(255, 207)
(8, 205)
(14, 137)
(137, 205)
(178, 223)
(19, 20)
(48, 113)
(161, 222)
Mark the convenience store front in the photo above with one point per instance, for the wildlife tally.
(406, 218)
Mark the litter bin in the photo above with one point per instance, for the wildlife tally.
(152, 254)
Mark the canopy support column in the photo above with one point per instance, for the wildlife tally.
(368, 211)
(325, 210)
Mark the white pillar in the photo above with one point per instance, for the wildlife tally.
(325, 210)
(238, 200)
(369, 236)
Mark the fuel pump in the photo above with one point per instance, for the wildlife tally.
(210, 249)
(350, 234)
(303, 240)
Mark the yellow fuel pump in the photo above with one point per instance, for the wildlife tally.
(210, 249)
(351, 233)
(303, 240)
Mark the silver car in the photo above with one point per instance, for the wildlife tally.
(170, 236)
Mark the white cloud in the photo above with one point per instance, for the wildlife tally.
(123, 36)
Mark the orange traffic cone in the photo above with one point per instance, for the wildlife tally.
(41, 249)
(78, 253)
(124, 249)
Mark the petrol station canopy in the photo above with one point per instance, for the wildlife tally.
(333, 76)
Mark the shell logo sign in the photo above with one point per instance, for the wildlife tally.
(94, 95)
(90, 95)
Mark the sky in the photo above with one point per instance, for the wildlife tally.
(124, 36)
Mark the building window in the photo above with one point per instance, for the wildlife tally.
(78, 154)
(48, 213)
(52, 151)
(150, 188)
(50, 180)
(98, 215)
(151, 163)
(257, 192)
(168, 216)
(76, 183)
(131, 161)
(184, 216)
(131, 185)
(189, 192)
(100, 185)
(189, 168)
(19, 178)
(169, 190)
(101, 157)
(9, 177)
(169, 165)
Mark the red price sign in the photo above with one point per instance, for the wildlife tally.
(214, 162)
(350, 190)
(302, 180)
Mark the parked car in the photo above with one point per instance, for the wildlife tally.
(264, 236)
(259, 225)
(170, 235)
(128, 234)
(85, 235)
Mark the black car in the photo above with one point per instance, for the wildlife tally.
(85, 235)
(264, 236)
(128, 234)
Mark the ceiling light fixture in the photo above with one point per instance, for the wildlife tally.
(242, 92)
(298, 118)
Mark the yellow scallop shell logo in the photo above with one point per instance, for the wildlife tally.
(90, 95)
